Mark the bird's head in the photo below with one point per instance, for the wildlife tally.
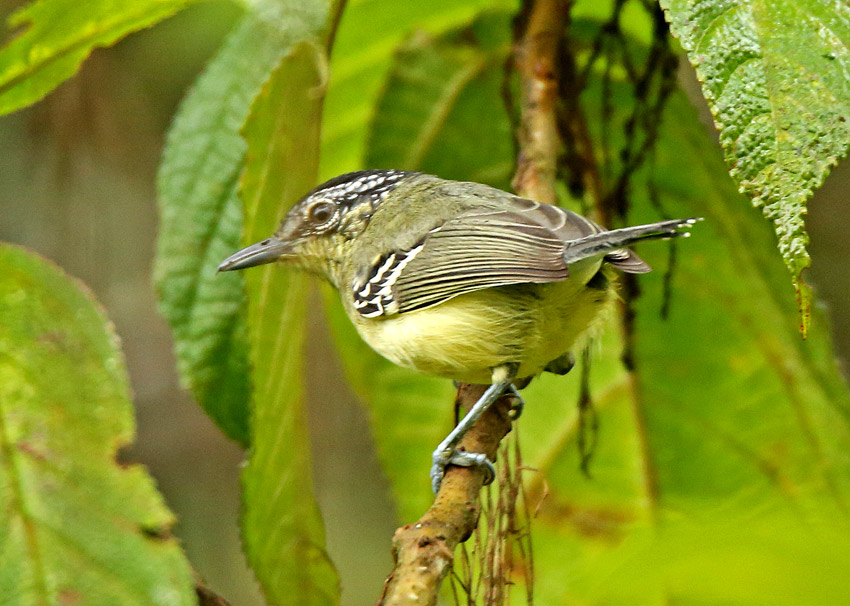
(317, 229)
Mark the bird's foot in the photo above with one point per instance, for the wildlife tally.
(442, 458)
(517, 403)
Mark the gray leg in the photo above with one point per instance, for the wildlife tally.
(447, 454)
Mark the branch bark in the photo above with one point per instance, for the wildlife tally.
(536, 60)
(424, 550)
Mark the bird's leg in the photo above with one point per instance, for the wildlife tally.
(447, 453)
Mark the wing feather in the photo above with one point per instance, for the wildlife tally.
(520, 242)
(483, 249)
(500, 240)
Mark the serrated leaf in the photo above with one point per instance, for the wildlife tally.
(60, 34)
(730, 418)
(76, 527)
(777, 78)
(200, 214)
(282, 528)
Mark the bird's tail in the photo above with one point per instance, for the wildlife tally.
(612, 243)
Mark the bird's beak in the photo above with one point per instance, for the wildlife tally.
(267, 251)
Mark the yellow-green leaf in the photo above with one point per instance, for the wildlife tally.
(200, 213)
(368, 35)
(60, 34)
(75, 526)
(282, 529)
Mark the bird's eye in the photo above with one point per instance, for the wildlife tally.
(320, 213)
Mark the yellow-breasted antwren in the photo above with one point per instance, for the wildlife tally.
(456, 279)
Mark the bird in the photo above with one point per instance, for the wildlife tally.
(458, 279)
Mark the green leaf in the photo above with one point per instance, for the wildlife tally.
(76, 527)
(775, 75)
(59, 36)
(430, 104)
(729, 422)
(777, 419)
(770, 559)
(369, 33)
(201, 218)
(282, 529)
(200, 214)
(731, 431)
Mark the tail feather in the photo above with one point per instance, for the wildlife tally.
(615, 239)
(626, 260)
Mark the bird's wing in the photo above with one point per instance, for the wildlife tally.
(479, 249)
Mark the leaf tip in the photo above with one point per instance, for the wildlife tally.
(804, 303)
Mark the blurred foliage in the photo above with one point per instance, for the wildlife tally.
(431, 103)
(726, 417)
(77, 528)
(59, 35)
(364, 45)
(776, 79)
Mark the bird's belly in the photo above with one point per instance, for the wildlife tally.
(467, 336)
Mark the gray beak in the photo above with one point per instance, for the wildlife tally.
(267, 251)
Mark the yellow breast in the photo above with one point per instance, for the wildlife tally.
(467, 336)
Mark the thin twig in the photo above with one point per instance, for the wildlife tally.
(537, 64)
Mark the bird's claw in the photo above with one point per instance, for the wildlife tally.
(441, 459)
(517, 405)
